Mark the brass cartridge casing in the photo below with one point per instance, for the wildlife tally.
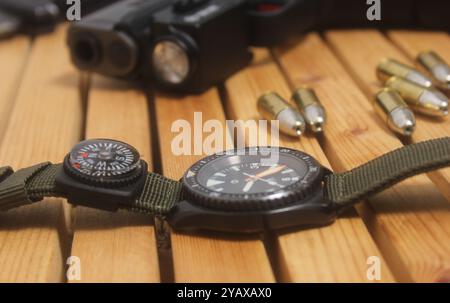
(310, 107)
(425, 100)
(394, 111)
(272, 106)
(389, 68)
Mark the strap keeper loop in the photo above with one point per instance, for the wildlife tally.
(13, 190)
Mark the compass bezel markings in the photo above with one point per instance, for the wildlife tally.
(123, 159)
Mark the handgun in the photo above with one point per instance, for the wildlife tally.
(179, 45)
(190, 45)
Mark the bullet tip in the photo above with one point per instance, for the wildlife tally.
(444, 108)
(408, 127)
(409, 130)
(402, 121)
(317, 127)
(434, 103)
(419, 78)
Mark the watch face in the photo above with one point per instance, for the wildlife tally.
(247, 175)
(104, 158)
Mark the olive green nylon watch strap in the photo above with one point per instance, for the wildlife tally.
(345, 189)
(5, 172)
(32, 184)
(158, 196)
(27, 185)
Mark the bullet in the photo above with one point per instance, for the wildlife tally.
(310, 107)
(389, 68)
(273, 107)
(436, 66)
(391, 107)
(425, 100)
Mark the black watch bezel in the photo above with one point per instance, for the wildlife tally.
(193, 190)
(311, 209)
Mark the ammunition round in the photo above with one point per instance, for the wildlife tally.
(391, 107)
(271, 106)
(310, 107)
(440, 70)
(425, 100)
(389, 68)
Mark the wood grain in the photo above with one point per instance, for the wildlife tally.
(205, 258)
(412, 43)
(361, 51)
(409, 222)
(336, 253)
(41, 118)
(116, 247)
(45, 122)
(13, 57)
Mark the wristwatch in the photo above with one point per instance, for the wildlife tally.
(242, 190)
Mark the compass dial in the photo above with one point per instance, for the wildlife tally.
(247, 178)
(104, 159)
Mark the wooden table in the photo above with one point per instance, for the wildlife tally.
(46, 107)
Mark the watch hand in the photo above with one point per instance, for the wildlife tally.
(247, 186)
(261, 179)
(270, 171)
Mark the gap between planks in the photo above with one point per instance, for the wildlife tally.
(34, 239)
(349, 47)
(47, 276)
(117, 247)
(412, 43)
(335, 253)
(14, 54)
(205, 257)
(409, 221)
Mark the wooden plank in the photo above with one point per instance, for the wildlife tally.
(117, 247)
(361, 51)
(336, 253)
(210, 258)
(409, 222)
(45, 123)
(412, 43)
(13, 58)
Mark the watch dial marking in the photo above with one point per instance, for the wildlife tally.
(241, 176)
(251, 177)
(213, 182)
